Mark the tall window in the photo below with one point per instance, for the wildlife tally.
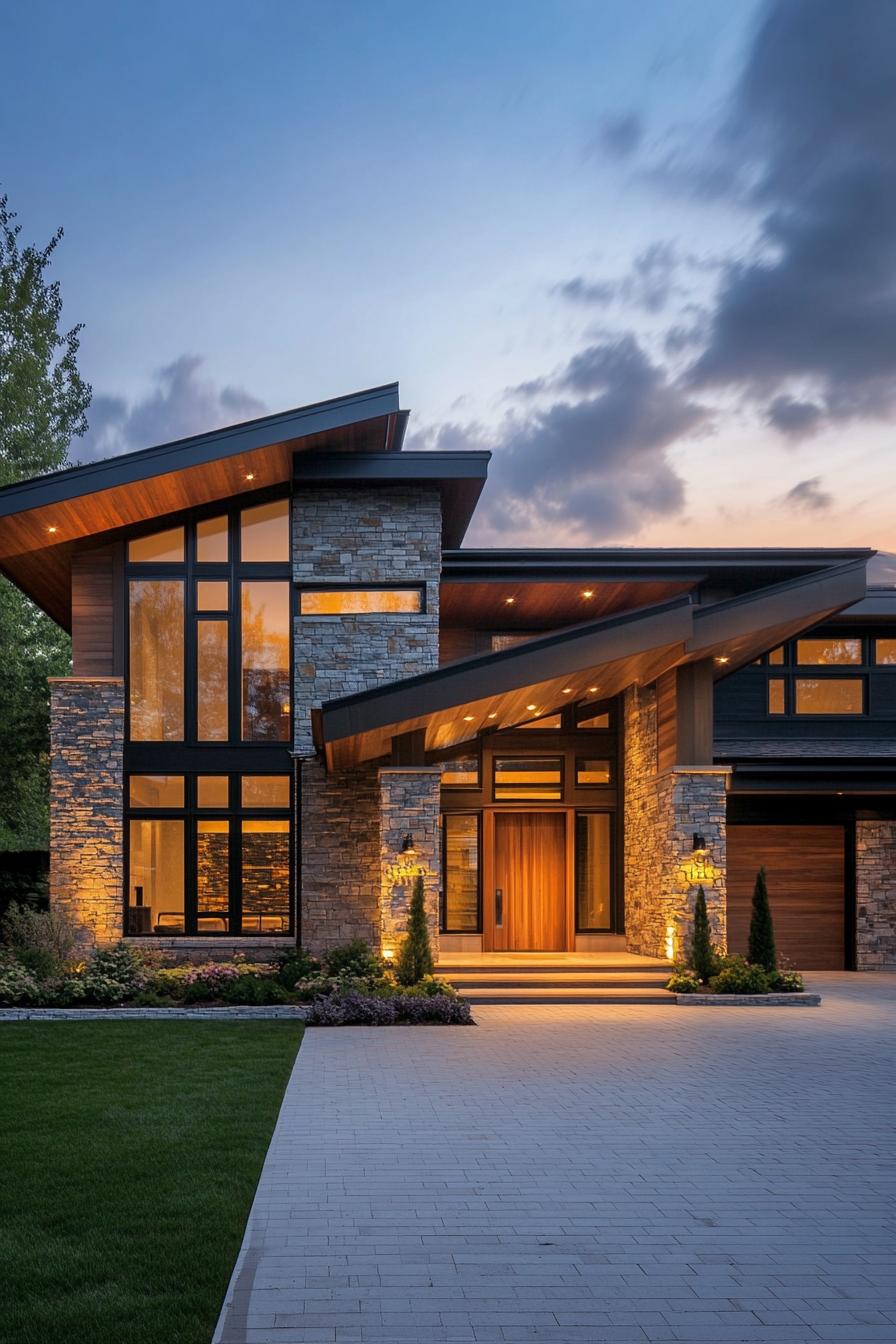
(156, 683)
(593, 871)
(460, 868)
(265, 632)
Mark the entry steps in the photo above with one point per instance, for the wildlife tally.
(543, 981)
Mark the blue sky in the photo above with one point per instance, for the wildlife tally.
(557, 224)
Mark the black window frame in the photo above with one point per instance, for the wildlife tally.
(521, 797)
(390, 586)
(190, 814)
(443, 889)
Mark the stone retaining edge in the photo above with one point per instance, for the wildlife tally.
(749, 1000)
(295, 1012)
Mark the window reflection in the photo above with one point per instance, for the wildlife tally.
(265, 635)
(160, 548)
(835, 650)
(265, 876)
(829, 695)
(211, 687)
(156, 682)
(264, 790)
(212, 791)
(211, 541)
(264, 533)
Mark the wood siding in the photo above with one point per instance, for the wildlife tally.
(805, 870)
(97, 641)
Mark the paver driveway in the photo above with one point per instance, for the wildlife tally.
(584, 1174)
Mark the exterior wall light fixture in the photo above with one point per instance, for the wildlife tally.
(407, 846)
(700, 846)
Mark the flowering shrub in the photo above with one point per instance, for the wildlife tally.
(739, 977)
(295, 966)
(684, 982)
(352, 1008)
(788, 982)
(110, 976)
(353, 959)
(18, 986)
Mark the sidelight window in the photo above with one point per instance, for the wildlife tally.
(593, 872)
(460, 867)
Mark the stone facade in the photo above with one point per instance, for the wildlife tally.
(86, 797)
(389, 535)
(875, 895)
(408, 805)
(661, 814)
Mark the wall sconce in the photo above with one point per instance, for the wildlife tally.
(407, 846)
(700, 846)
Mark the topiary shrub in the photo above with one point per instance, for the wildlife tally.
(353, 959)
(761, 946)
(704, 961)
(740, 977)
(415, 959)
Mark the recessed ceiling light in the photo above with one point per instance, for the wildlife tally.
(532, 707)
(510, 601)
(468, 718)
(592, 690)
(722, 659)
(250, 475)
(493, 716)
(588, 592)
(51, 529)
(567, 690)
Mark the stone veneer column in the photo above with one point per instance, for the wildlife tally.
(661, 814)
(409, 804)
(875, 895)
(347, 536)
(86, 797)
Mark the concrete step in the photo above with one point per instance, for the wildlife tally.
(448, 968)
(470, 980)
(547, 994)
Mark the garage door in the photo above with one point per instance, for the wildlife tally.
(804, 868)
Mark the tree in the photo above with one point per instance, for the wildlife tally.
(415, 957)
(43, 404)
(703, 958)
(761, 949)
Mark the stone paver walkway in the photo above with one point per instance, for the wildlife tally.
(584, 1174)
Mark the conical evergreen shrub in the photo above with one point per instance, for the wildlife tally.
(703, 959)
(415, 957)
(761, 949)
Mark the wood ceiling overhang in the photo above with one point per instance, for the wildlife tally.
(98, 498)
(459, 700)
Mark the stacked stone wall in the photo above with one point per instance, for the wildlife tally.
(661, 813)
(409, 805)
(875, 895)
(86, 804)
(340, 863)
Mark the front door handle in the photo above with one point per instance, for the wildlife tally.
(499, 907)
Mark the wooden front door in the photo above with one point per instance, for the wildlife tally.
(804, 868)
(530, 881)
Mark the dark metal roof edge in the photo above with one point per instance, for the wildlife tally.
(300, 422)
(410, 466)
(336, 712)
(681, 560)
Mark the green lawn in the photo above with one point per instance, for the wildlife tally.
(129, 1155)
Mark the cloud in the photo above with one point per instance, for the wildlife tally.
(593, 456)
(796, 419)
(649, 285)
(810, 128)
(180, 404)
(808, 496)
(619, 136)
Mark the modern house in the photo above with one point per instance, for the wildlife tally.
(292, 690)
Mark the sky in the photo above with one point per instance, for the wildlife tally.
(645, 253)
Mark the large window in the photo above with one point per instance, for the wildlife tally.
(828, 695)
(210, 630)
(460, 869)
(836, 651)
(208, 854)
(359, 601)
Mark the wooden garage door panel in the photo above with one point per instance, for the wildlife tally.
(804, 868)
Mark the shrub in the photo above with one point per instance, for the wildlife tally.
(169, 982)
(443, 1009)
(254, 989)
(703, 958)
(684, 982)
(761, 947)
(18, 986)
(788, 982)
(351, 1008)
(42, 940)
(296, 965)
(353, 959)
(110, 976)
(428, 987)
(740, 977)
(415, 958)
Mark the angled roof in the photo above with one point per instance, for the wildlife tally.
(356, 437)
(458, 700)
